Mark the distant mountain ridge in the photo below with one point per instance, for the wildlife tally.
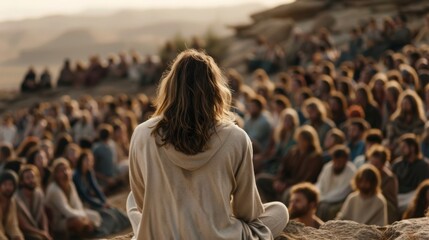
(49, 39)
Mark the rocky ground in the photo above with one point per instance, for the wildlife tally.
(403, 230)
(413, 229)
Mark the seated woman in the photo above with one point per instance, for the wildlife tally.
(92, 196)
(283, 139)
(420, 204)
(69, 217)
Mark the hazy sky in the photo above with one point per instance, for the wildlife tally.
(18, 9)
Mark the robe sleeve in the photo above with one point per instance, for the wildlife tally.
(247, 204)
(136, 178)
(12, 226)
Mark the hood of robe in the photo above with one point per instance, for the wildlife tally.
(194, 162)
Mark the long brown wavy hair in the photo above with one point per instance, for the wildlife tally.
(192, 99)
(419, 206)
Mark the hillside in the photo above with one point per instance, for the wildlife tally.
(19, 39)
(280, 24)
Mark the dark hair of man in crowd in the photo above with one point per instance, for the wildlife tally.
(338, 135)
(282, 100)
(104, 133)
(259, 101)
(308, 190)
(410, 140)
(340, 151)
(360, 123)
(25, 168)
(379, 152)
(374, 135)
(6, 151)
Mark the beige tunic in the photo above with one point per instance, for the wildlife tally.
(9, 222)
(210, 195)
(371, 211)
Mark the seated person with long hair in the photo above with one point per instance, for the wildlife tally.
(191, 170)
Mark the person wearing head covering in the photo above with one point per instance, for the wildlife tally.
(9, 228)
(69, 215)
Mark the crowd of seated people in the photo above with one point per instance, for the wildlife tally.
(59, 161)
(354, 132)
(371, 38)
(79, 74)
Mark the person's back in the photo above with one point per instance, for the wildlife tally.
(191, 170)
(189, 196)
(104, 159)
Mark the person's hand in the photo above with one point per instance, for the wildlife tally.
(279, 186)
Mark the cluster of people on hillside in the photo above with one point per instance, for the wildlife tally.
(372, 39)
(331, 140)
(132, 67)
(59, 161)
(144, 71)
(364, 122)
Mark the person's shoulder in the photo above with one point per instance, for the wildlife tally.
(38, 192)
(352, 197)
(350, 166)
(52, 189)
(422, 166)
(329, 123)
(146, 127)
(233, 130)
(397, 162)
(231, 134)
(328, 166)
(422, 162)
(380, 198)
(388, 173)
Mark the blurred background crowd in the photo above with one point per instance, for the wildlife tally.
(337, 133)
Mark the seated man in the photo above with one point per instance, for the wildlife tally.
(30, 199)
(303, 204)
(373, 136)
(378, 156)
(8, 218)
(356, 130)
(410, 169)
(257, 124)
(333, 138)
(302, 163)
(105, 161)
(334, 182)
(6, 154)
(366, 204)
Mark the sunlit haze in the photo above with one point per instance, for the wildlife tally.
(19, 9)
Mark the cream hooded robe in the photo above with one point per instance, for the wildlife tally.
(210, 195)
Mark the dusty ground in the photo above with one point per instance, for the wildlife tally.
(119, 200)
